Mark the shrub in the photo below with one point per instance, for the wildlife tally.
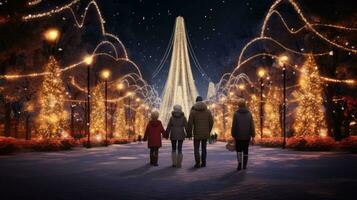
(94, 143)
(8, 145)
(349, 144)
(68, 144)
(47, 145)
(120, 141)
(311, 143)
(270, 142)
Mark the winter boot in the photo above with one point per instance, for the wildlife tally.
(179, 160)
(239, 159)
(174, 159)
(203, 164)
(197, 165)
(156, 159)
(245, 161)
(152, 159)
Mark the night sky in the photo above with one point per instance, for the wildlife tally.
(217, 29)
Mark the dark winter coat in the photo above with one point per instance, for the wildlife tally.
(243, 125)
(177, 126)
(200, 122)
(153, 133)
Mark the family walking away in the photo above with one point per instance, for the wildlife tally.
(198, 126)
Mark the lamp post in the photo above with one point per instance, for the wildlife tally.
(105, 74)
(241, 87)
(120, 88)
(261, 74)
(137, 100)
(129, 94)
(222, 100)
(51, 36)
(282, 62)
(88, 60)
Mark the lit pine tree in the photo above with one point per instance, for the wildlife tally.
(309, 115)
(120, 125)
(97, 121)
(254, 107)
(52, 116)
(140, 121)
(272, 125)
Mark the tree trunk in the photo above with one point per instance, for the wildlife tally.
(7, 122)
(27, 127)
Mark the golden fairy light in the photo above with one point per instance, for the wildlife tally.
(52, 116)
(271, 112)
(254, 107)
(119, 130)
(105, 74)
(309, 114)
(88, 59)
(52, 34)
(98, 111)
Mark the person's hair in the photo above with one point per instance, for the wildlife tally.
(154, 115)
(177, 108)
(242, 103)
(199, 98)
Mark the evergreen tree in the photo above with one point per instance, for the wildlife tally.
(120, 125)
(309, 115)
(97, 114)
(140, 121)
(254, 107)
(272, 126)
(52, 116)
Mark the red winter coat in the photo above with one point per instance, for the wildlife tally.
(153, 133)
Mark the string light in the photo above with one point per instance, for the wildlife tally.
(33, 2)
(309, 116)
(306, 22)
(52, 115)
(79, 22)
(272, 112)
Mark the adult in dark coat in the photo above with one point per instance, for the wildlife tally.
(153, 133)
(176, 130)
(243, 130)
(200, 123)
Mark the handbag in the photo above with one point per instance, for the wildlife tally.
(231, 144)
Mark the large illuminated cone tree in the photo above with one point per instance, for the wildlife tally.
(272, 127)
(97, 121)
(180, 87)
(309, 114)
(52, 116)
(120, 126)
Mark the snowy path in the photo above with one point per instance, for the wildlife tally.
(121, 172)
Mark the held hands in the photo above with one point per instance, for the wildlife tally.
(252, 141)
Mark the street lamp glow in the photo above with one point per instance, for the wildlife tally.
(51, 35)
(241, 86)
(137, 99)
(88, 59)
(105, 74)
(222, 99)
(120, 86)
(129, 94)
(261, 72)
(283, 59)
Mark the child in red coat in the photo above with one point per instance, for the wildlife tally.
(153, 133)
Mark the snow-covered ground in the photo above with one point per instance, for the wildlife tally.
(122, 172)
